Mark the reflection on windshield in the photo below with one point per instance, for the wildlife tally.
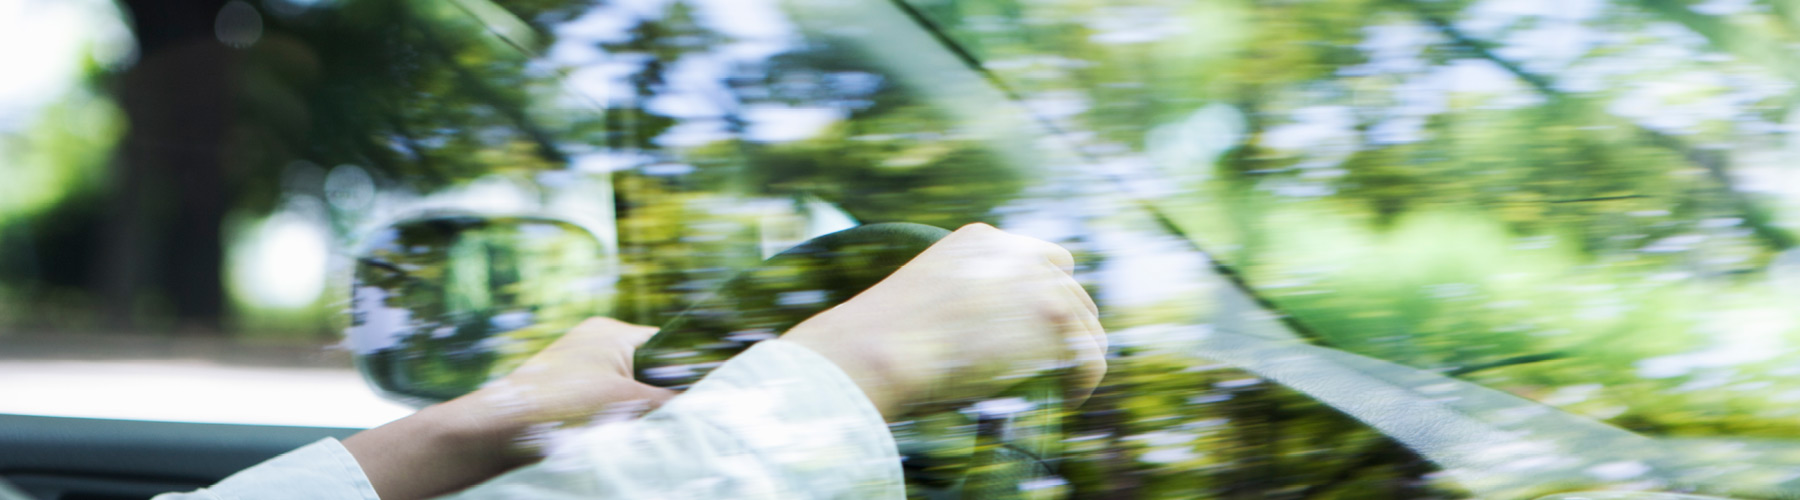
(1347, 249)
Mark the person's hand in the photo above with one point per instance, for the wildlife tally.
(976, 313)
(585, 374)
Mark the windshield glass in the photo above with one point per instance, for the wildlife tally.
(1343, 249)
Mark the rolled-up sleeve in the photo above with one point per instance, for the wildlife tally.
(778, 421)
(322, 470)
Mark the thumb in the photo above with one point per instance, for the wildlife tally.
(637, 335)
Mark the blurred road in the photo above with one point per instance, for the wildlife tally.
(186, 380)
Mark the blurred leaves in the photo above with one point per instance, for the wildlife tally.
(1574, 202)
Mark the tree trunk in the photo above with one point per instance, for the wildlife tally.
(169, 197)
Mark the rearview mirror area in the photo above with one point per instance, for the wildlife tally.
(442, 304)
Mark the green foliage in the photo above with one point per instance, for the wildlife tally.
(57, 156)
(1521, 235)
(1512, 233)
(1167, 427)
(1407, 181)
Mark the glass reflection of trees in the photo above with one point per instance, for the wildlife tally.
(1600, 225)
(443, 304)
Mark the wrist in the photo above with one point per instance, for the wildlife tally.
(439, 450)
(491, 434)
(872, 371)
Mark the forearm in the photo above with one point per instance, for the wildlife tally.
(439, 450)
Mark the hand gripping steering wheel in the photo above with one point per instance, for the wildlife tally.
(998, 448)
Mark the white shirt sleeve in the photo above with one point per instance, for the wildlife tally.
(776, 422)
(322, 470)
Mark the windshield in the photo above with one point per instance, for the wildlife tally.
(1344, 249)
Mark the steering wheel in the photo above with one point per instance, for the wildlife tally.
(437, 312)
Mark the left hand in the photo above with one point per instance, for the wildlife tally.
(462, 442)
(584, 375)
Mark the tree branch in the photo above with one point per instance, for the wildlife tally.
(1759, 220)
(546, 145)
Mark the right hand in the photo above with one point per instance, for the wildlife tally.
(976, 313)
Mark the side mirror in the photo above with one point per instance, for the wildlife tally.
(442, 305)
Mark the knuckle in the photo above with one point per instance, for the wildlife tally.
(592, 323)
(974, 230)
(599, 321)
(1056, 252)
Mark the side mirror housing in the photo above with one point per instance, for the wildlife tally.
(442, 304)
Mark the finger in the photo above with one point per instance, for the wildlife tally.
(1088, 352)
(1053, 253)
(1062, 260)
(1079, 322)
(637, 335)
(975, 228)
(1058, 256)
(966, 240)
(1081, 296)
(1076, 317)
(976, 233)
(1077, 296)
